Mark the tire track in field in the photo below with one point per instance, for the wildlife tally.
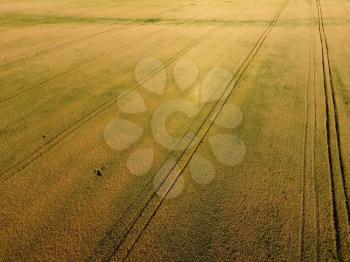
(145, 215)
(315, 189)
(309, 173)
(55, 140)
(42, 52)
(305, 163)
(66, 74)
(338, 181)
(334, 103)
(68, 43)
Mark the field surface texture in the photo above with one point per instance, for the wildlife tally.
(180, 130)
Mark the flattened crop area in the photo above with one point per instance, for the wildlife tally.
(175, 130)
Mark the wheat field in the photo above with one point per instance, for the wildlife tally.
(189, 130)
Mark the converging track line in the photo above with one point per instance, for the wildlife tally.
(306, 138)
(338, 186)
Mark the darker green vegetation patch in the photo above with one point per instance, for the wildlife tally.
(30, 20)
